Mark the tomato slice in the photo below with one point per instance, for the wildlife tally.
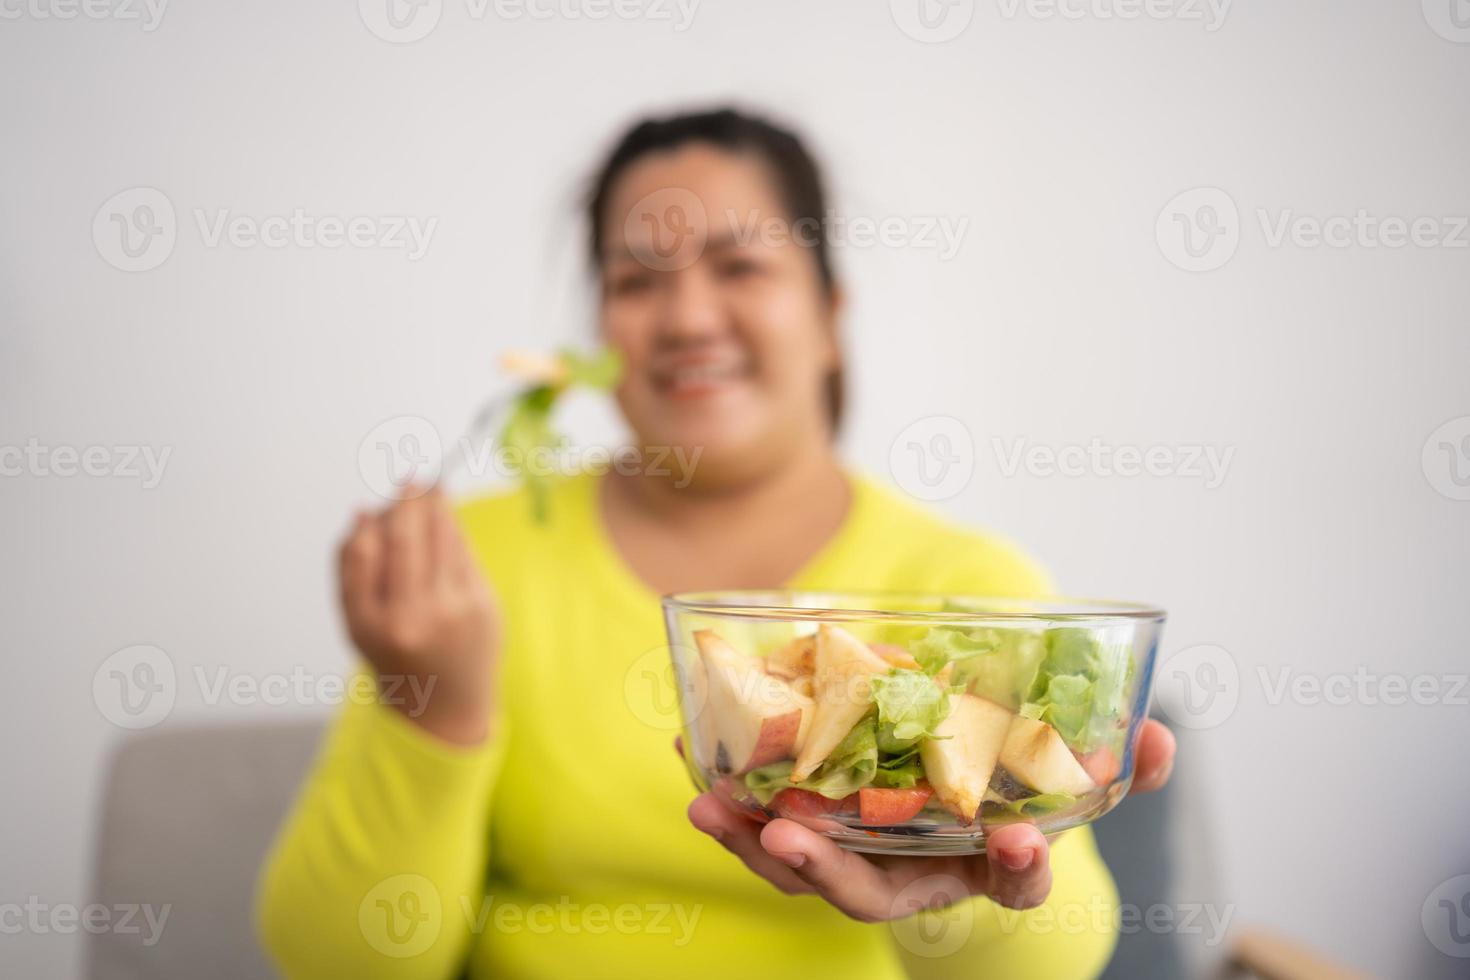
(889, 807)
(793, 802)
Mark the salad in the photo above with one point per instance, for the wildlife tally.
(990, 724)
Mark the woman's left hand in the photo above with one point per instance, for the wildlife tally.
(1014, 871)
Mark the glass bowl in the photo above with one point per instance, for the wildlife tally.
(906, 723)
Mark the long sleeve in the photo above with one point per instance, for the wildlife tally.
(1070, 936)
(386, 847)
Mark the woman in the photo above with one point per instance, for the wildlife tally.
(524, 822)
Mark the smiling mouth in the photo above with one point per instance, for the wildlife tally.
(700, 378)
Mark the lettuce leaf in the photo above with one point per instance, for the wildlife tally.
(852, 764)
(599, 371)
(910, 706)
(1079, 687)
(1071, 677)
(764, 783)
(528, 434)
(900, 771)
(1033, 806)
(997, 664)
(1066, 705)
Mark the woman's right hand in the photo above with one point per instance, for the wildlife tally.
(422, 615)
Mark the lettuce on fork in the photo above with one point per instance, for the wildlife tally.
(528, 435)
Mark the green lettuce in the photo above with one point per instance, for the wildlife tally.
(1079, 687)
(528, 433)
(998, 664)
(910, 706)
(529, 436)
(852, 764)
(599, 371)
(1035, 806)
(764, 783)
(899, 771)
(1067, 676)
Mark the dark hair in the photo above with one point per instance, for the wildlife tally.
(798, 183)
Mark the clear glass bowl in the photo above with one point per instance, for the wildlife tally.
(914, 724)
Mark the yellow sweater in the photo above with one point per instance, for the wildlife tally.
(560, 847)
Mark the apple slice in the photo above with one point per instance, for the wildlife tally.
(842, 668)
(959, 766)
(879, 807)
(1035, 754)
(700, 727)
(895, 655)
(756, 719)
(794, 659)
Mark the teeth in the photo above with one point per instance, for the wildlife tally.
(703, 373)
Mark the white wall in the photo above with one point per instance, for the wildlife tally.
(1326, 548)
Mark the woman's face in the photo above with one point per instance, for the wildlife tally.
(726, 332)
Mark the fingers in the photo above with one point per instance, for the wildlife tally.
(360, 569)
(409, 557)
(1154, 757)
(741, 837)
(444, 542)
(856, 886)
(1019, 867)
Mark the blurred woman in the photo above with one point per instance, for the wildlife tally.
(523, 821)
